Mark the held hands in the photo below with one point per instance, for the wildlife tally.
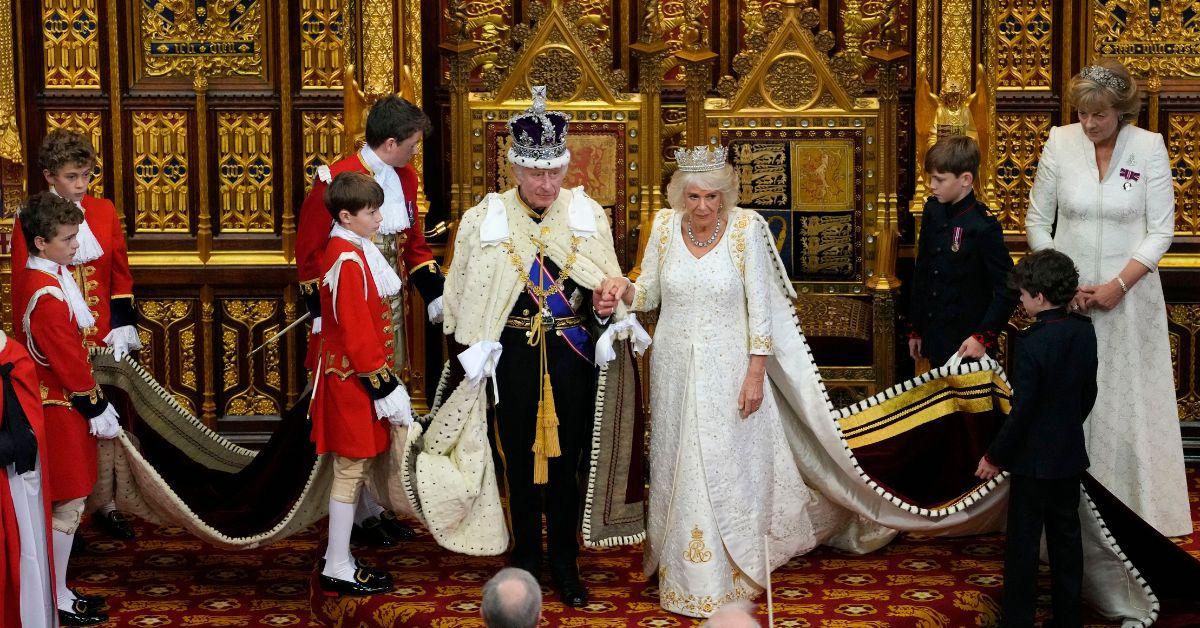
(751, 396)
(605, 296)
(986, 470)
(1105, 296)
(971, 349)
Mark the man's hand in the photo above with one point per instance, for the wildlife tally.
(971, 349)
(914, 348)
(986, 470)
(605, 296)
(603, 302)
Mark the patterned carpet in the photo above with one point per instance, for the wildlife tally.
(165, 577)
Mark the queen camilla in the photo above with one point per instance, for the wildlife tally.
(727, 502)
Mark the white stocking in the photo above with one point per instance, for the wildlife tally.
(338, 562)
(62, 555)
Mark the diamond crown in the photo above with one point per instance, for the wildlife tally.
(1104, 76)
(700, 158)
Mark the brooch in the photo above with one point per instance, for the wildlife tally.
(1130, 176)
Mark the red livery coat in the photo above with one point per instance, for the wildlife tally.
(24, 380)
(355, 341)
(48, 330)
(313, 232)
(100, 280)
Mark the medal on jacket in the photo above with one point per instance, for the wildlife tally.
(956, 240)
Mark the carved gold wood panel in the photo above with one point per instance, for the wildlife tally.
(246, 172)
(1024, 44)
(71, 44)
(487, 22)
(183, 37)
(250, 385)
(323, 137)
(89, 123)
(1159, 37)
(1019, 139)
(1183, 145)
(379, 46)
(322, 40)
(1184, 330)
(160, 171)
(169, 331)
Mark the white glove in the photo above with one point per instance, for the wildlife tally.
(434, 309)
(480, 360)
(396, 407)
(316, 328)
(122, 340)
(105, 425)
(628, 327)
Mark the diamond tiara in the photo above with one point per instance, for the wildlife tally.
(1104, 76)
(700, 158)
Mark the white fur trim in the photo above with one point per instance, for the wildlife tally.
(540, 164)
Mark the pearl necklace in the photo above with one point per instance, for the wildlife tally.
(707, 243)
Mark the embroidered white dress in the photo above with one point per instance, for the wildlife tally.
(1133, 437)
(719, 484)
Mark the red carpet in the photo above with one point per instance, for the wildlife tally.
(165, 577)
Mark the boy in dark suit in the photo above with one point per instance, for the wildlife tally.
(1041, 443)
(960, 295)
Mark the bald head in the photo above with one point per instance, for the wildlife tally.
(736, 615)
(511, 599)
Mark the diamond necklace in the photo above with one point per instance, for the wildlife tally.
(707, 243)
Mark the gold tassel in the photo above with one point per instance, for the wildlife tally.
(548, 419)
(545, 440)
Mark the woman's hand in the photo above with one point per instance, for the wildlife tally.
(1079, 303)
(1106, 296)
(751, 396)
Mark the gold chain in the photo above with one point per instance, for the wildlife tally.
(563, 274)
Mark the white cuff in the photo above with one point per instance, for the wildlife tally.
(396, 407)
(626, 328)
(105, 425)
(316, 328)
(434, 309)
(122, 340)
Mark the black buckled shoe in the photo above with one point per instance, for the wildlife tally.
(397, 528)
(80, 615)
(94, 603)
(373, 575)
(372, 532)
(366, 581)
(116, 524)
(569, 587)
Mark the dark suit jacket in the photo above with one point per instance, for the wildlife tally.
(1054, 388)
(959, 288)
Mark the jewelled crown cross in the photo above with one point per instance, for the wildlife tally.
(700, 158)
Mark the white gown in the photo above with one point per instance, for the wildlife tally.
(1133, 437)
(719, 484)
